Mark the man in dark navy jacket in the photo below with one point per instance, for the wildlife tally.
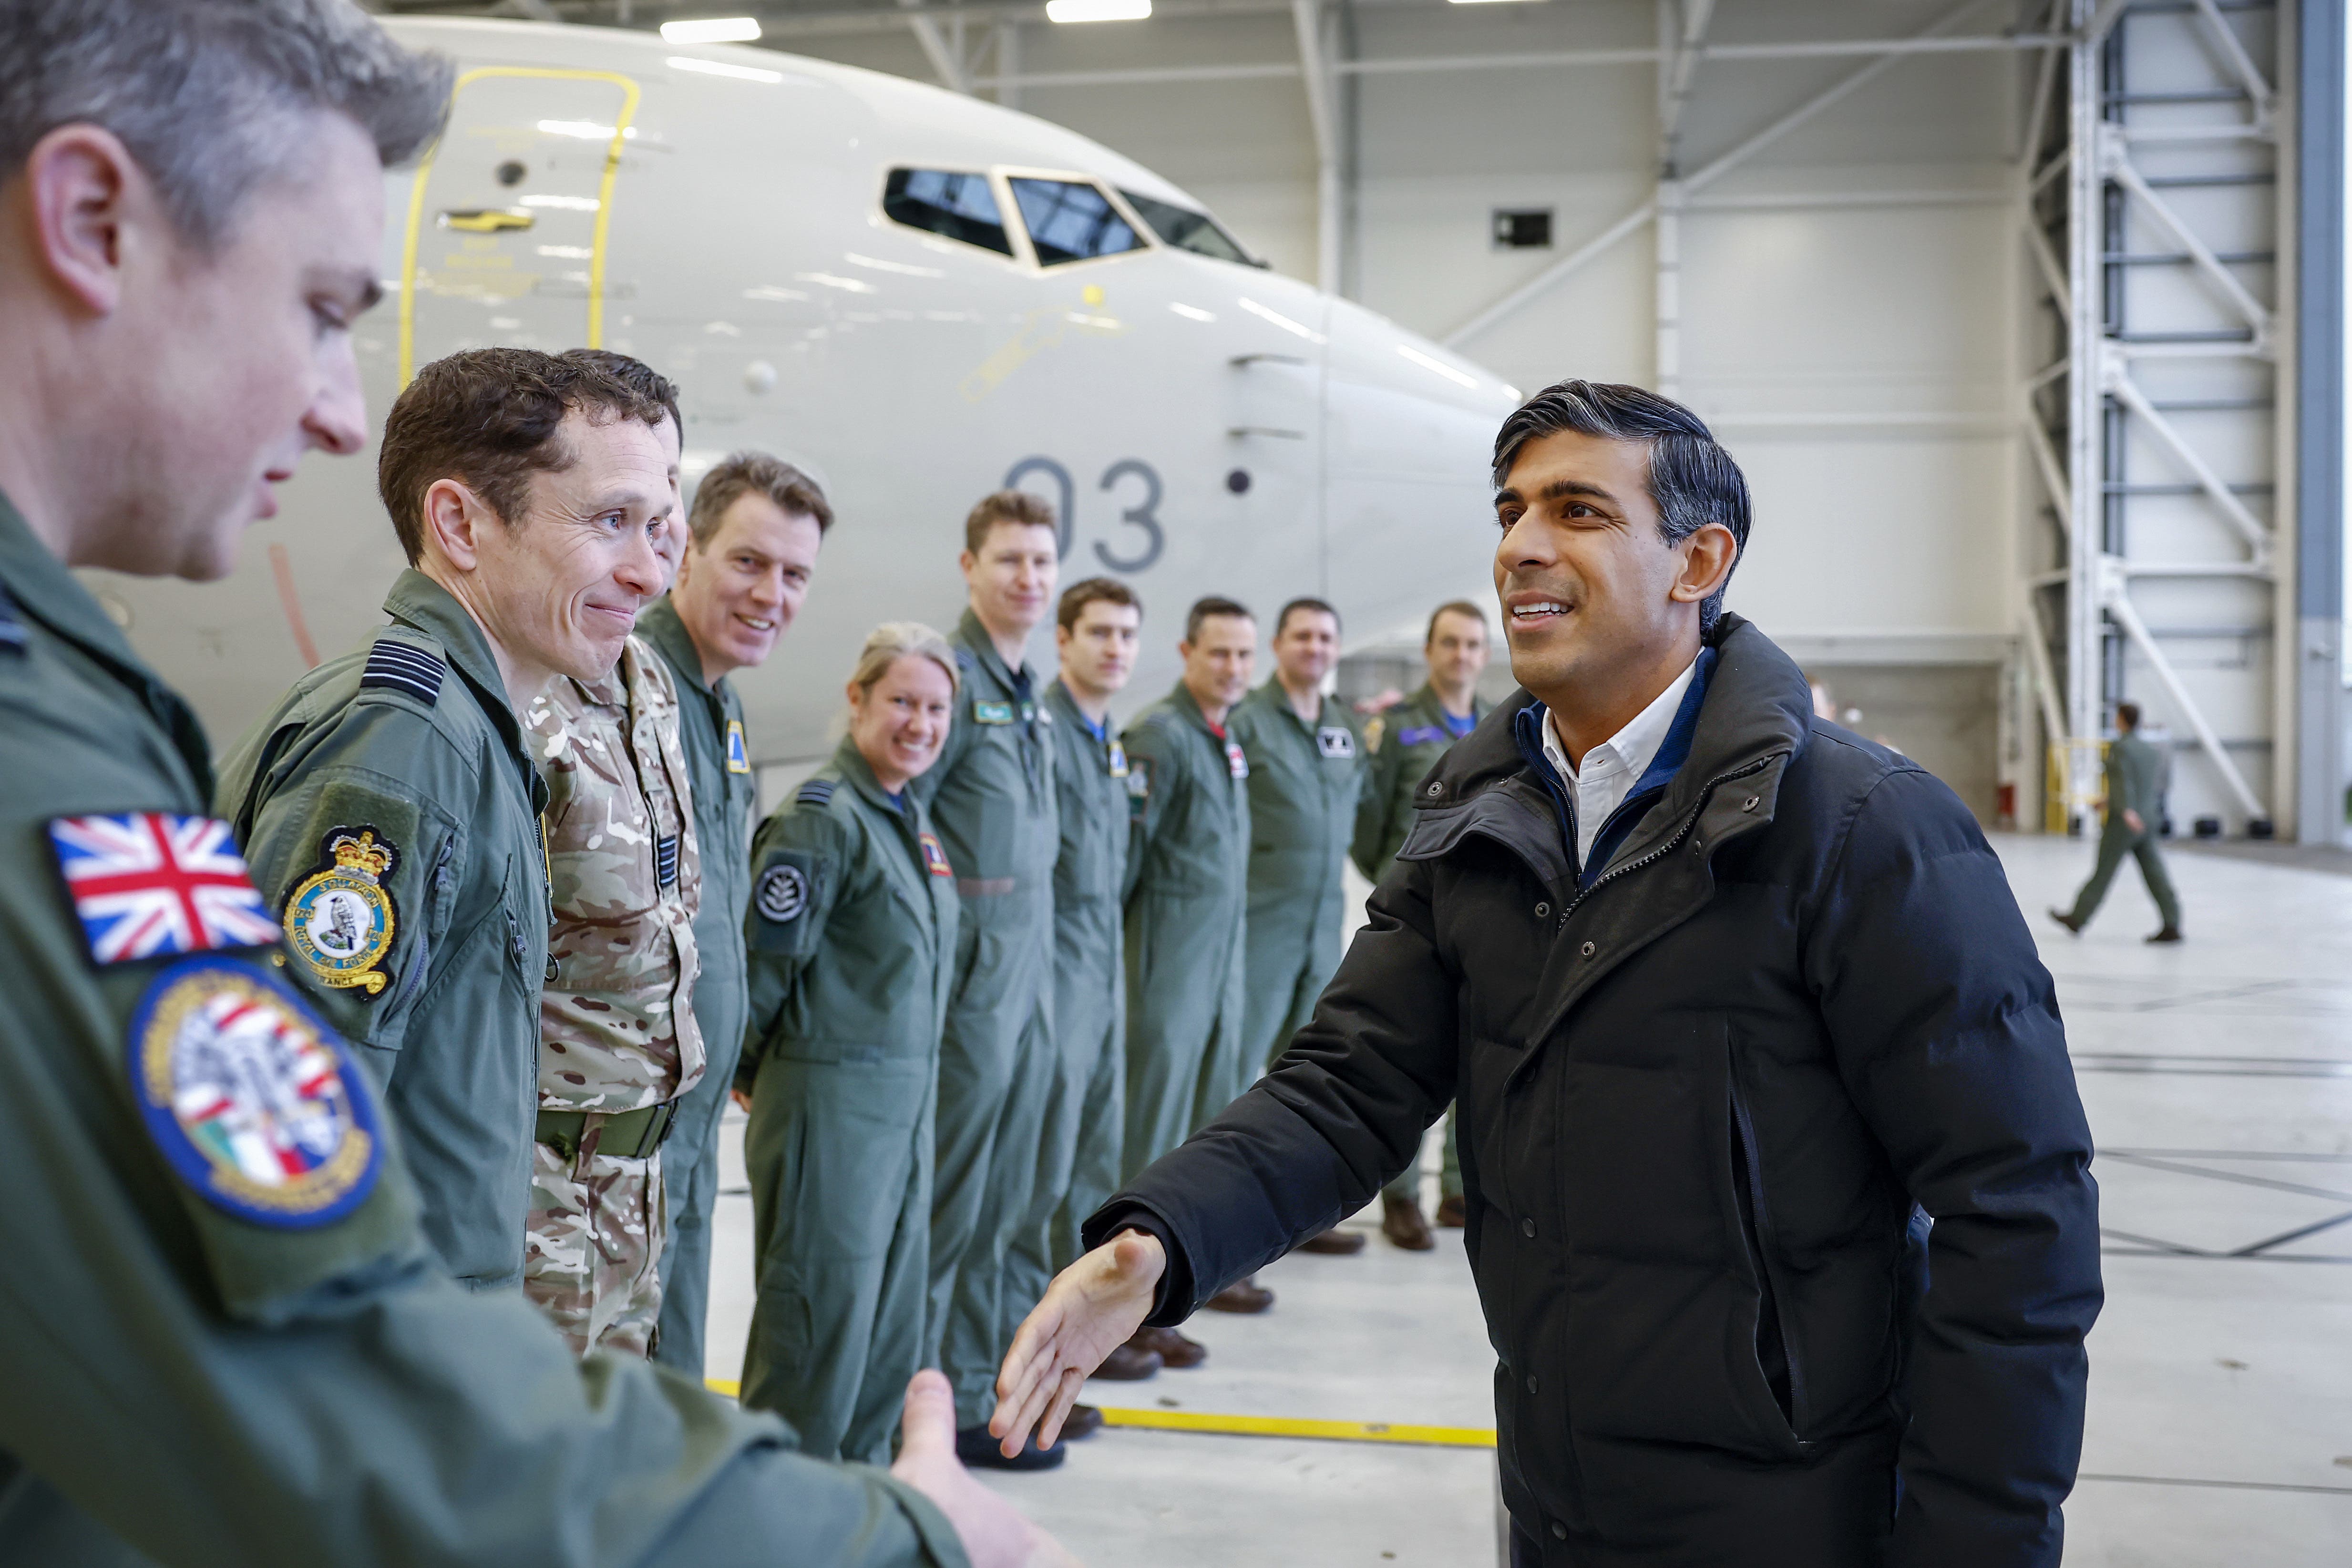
(1780, 1205)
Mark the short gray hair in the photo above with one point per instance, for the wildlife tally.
(740, 474)
(896, 640)
(206, 94)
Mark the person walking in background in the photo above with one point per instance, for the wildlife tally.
(1188, 904)
(1097, 624)
(1406, 742)
(2135, 808)
(992, 797)
(750, 549)
(852, 935)
(1306, 782)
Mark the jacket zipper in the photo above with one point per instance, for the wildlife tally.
(1753, 1160)
(1668, 847)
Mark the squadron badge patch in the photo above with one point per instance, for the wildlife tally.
(739, 758)
(147, 885)
(251, 1098)
(1236, 759)
(935, 859)
(340, 919)
(780, 894)
(1118, 761)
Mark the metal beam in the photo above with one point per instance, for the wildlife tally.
(2234, 55)
(925, 28)
(1696, 16)
(2126, 392)
(2120, 170)
(1307, 21)
(2120, 609)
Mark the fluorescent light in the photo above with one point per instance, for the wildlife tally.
(1481, 2)
(711, 30)
(721, 68)
(1097, 10)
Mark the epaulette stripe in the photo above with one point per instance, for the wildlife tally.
(401, 668)
(963, 658)
(816, 792)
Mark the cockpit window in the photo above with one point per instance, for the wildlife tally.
(960, 206)
(1070, 221)
(1186, 229)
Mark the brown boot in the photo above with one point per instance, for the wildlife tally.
(1241, 1296)
(1452, 1212)
(1128, 1363)
(1334, 1243)
(1401, 1222)
(1173, 1349)
(1083, 1421)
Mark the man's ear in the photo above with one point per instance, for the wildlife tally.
(91, 206)
(1708, 557)
(454, 518)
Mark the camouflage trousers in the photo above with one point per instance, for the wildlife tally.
(591, 1265)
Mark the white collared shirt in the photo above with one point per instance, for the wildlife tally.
(1613, 767)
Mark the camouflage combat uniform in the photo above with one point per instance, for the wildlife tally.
(618, 1041)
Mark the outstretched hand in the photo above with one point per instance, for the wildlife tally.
(994, 1533)
(1090, 1310)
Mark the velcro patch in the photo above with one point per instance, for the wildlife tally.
(1236, 759)
(739, 758)
(1118, 761)
(1335, 742)
(666, 860)
(340, 920)
(992, 713)
(781, 894)
(394, 666)
(251, 1098)
(935, 859)
(1428, 734)
(147, 884)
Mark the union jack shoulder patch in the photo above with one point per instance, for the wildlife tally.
(147, 884)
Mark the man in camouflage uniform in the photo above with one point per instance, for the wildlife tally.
(618, 1040)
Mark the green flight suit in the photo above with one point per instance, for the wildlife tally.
(190, 1384)
(1187, 901)
(1305, 783)
(1406, 742)
(852, 937)
(411, 738)
(726, 797)
(991, 795)
(1078, 1169)
(2134, 783)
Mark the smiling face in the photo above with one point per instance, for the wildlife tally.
(1013, 577)
(739, 593)
(899, 722)
(1099, 652)
(1595, 601)
(560, 590)
(1306, 648)
(1219, 661)
(202, 377)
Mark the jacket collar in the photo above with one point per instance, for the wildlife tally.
(1274, 699)
(859, 774)
(982, 647)
(1066, 708)
(1188, 709)
(1425, 703)
(417, 601)
(44, 591)
(1757, 705)
(662, 627)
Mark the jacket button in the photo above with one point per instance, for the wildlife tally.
(1527, 1228)
(1590, 949)
(1437, 788)
(1751, 802)
(1542, 910)
(1531, 1383)
(1558, 1530)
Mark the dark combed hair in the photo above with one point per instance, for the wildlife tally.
(1016, 507)
(1215, 604)
(741, 473)
(1093, 590)
(2127, 715)
(1693, 481)
(1319, 606)
(638, 376)
(1452, 607)
(490, 418)
(209, 96)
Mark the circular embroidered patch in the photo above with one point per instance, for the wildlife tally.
(340, 919)
(781, 894)
(252, 1100)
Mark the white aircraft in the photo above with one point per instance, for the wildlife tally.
(916, 296)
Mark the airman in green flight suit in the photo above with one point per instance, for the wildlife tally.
(389, 806)
(991, 798)
(1188, 1054)
(1406, 743)
(227, 1340)
(851, 934)
(753, 534)
(1306, 782)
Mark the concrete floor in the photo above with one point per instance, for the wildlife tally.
(2218, 1077)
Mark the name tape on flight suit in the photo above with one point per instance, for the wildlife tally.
(251, 1098)
(148, 884)
(992, 713)
(340, 919)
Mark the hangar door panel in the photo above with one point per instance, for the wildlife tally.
(508, 219)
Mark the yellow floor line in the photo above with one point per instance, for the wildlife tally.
(1265, 1426)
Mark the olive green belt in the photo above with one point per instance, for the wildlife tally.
(627, 1135)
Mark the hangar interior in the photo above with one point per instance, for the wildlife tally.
(2025, 318)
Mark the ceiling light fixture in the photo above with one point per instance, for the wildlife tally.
(1481, 2)
(1097, 10)
(711, 30)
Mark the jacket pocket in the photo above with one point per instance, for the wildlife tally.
(1776, 1350)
